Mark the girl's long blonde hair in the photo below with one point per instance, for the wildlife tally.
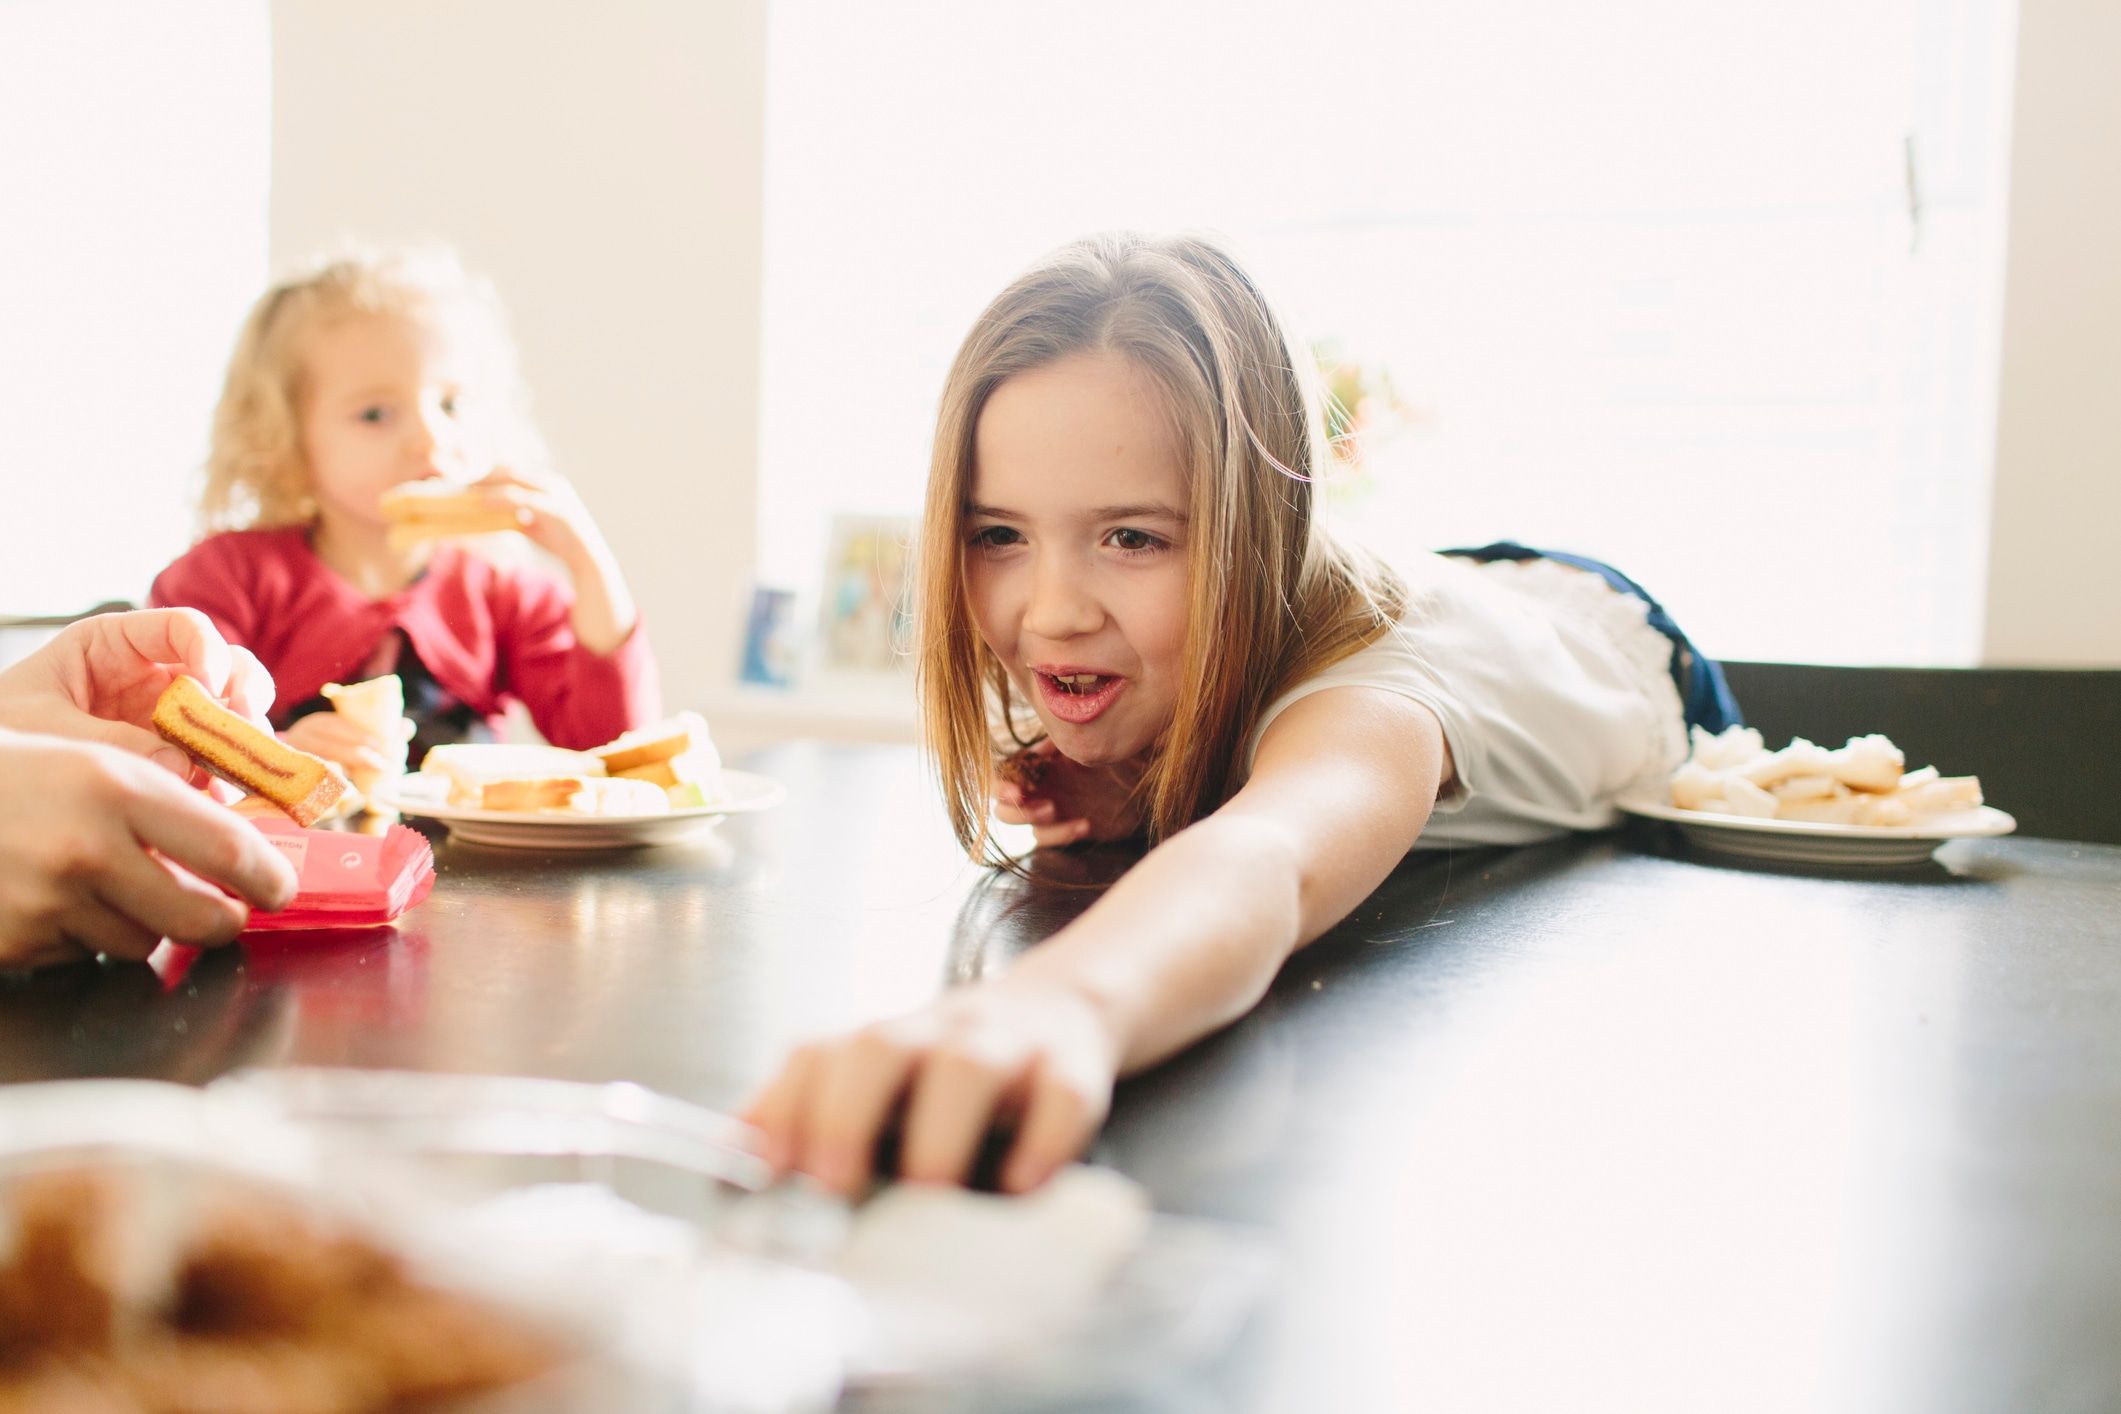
(1272, 598)
(255, 476)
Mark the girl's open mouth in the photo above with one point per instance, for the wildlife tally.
(1077, 697)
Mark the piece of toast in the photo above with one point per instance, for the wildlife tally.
(682, 735)
(377, 706)
(436, 510)
(305, 786)
(550, 793)
(575, 795)
(469, 766)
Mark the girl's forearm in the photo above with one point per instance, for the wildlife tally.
(1186, 942)
(604, 612)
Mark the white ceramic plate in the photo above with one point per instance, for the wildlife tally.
(428, 796)
(1803, 842)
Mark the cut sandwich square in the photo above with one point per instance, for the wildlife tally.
(683, 735)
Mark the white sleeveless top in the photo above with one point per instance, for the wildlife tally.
(1555, 695)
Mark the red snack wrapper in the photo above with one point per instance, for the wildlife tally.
(346, 880)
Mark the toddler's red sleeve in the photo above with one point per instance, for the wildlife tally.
(577, 697)
(216, 582)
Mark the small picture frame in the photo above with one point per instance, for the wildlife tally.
(772, 638)
(865, 620)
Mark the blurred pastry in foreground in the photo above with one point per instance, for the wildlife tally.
(419, 511)
(161, 1294)
(306, 787)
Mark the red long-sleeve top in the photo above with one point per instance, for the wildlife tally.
(487, 633)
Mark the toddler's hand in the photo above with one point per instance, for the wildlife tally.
(363, 754)
(553, 517)
(550, 515)
(1071, 803)
(1035, 1061)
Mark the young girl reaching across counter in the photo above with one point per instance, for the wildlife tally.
(351, 383)
(1122, 566)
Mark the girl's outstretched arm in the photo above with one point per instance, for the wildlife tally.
(1185, 943)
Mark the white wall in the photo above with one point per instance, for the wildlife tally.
(133, 175)
(602, 163)
(2055, 538)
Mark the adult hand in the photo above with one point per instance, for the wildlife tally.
(1071, 803)
(101, 851)
(98, 680)
(1032, 1059)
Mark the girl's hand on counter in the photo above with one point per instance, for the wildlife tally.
(1031, 1061)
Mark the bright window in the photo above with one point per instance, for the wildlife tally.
(1708, 291)
(134, 142)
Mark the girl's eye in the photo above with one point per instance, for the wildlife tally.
(995, 537)
(375, 415)
(1133, 541)
(449, 405)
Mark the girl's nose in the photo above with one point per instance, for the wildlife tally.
(430, 439)
(1062, 605)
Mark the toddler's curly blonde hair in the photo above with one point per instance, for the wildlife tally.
(255, 474)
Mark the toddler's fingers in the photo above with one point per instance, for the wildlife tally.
(341, 739)
(953, 1103)
(366, 758)
(1057, 1124)
(859, 1083)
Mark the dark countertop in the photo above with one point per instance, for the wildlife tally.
(1585, 1125)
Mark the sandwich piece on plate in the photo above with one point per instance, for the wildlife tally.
(575, 795)
(538, 780)
(307, 787)
(438, 510)
(676, 755)
(471, 766)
